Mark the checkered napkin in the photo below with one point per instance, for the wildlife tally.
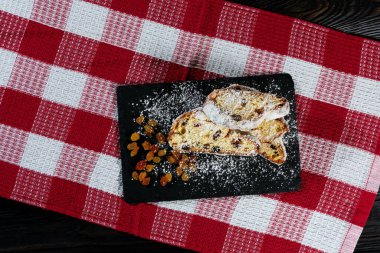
(60, 62)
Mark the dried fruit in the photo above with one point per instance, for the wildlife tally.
(185, 177)
(163, 181)
(146, 145)
(192, 167)
(149, 129)
(132, 146)
(156, 159)
(178, 171)
(150, 156)
(149, 167)
(184, 158)
(134, 152)
(141, 165)
(142, 176)
(193, 158)
(140, 119)
(160, 138)
(216, 135)
(145, 181)
(152, 122)
(135, 175)
(176, 154)
(162, 152)
(171, 159)
(168, 177)
(135, 136)
(154, 148)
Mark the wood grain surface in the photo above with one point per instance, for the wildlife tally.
(357, 17)
(29, 229)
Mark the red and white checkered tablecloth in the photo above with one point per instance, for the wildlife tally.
(60, 62)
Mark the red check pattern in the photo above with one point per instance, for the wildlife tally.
(60, 64)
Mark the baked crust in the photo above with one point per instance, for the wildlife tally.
(194, 132)
(243, 108)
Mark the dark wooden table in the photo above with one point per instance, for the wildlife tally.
(28, 229)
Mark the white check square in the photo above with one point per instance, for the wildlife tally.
(107, 175)
(7, 61)
(41, 154)
(366, 96)
(351, 165)
(227, 58)
(87, 19)
(325, 232)
(65, 86)
(158, 40)
(305, 75)
(20, 8)
(254, 213)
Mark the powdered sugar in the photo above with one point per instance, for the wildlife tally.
(253, 105)
(162, 105)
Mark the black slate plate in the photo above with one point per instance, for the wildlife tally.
(216, 176)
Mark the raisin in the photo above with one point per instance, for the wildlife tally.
(216, 135)
(192, 167)
(160, 138)
(176, 154)
(141, 165)
(171, 159)
(185, 177)
(197, 125)
(152, 123)
(132, 146)
(156, 159)
(140, 119)
(135, 136)
(215, 149)
(236, 117)
(168, 177)
(149, 156)
(193, 158)
(146, 145)
(135, 175)
(154, 148)
(259, 111)
(145, 181)
(149, 167)
(206, 146)
(161, 152)
(134, 152)
(236, 142)
(178, 171)
(272, 146)
(149, 129)
(163, 181)
(142, 176)
(185, 158)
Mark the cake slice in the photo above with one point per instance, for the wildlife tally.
(269, 130)
(274, 151)
(243, 108)
(194, 132)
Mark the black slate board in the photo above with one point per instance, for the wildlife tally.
(216, 176)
